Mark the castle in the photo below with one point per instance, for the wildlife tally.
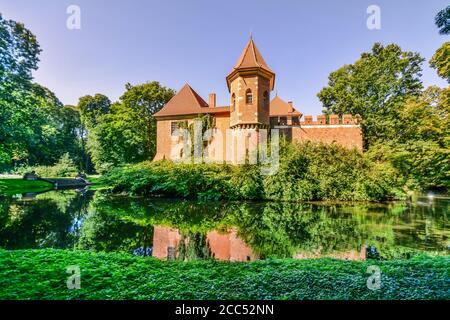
(250, 112)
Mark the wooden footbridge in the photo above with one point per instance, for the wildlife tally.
(63, 183)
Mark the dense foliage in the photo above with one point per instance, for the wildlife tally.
(374, 87)
(307, 172)
(441, 61)
(125, 131)
(40, 274)
(65, 167)
(35, 128)
(402, 124)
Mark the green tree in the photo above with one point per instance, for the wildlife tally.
(442, 20)
(374, 87)
(93, 107)
(123, 132)
(35, 128)
(118, 138)
(147, 99)
(19, 52)
(441, 61)
(421, 147)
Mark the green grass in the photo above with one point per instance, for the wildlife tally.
(16, 186)
(41, 274)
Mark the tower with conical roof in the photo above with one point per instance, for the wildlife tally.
(250, 83)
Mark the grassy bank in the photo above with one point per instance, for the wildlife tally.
(16, 186)
(12, 186)
(41, 274)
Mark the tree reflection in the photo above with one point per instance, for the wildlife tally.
(235, 231)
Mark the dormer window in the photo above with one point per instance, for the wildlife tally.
(248, 97)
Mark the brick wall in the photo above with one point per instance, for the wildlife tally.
(349, 136)
(256, 111)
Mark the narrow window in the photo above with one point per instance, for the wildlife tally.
(273, 121)
(248, 97)
(283, 121)
(233, 102)
(266, 99)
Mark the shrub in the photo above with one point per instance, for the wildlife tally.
(306, 172)
(65, 167)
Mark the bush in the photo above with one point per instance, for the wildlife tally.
(63, 168)
(306, 172)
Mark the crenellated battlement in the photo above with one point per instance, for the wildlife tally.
(332, 119)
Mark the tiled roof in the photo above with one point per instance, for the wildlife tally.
(279, 107)
(251, 58)
(186, 102)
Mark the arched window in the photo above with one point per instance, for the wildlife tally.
(266, 99)
(248, 96)
(233, 102)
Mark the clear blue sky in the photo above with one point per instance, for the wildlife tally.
(198, 42)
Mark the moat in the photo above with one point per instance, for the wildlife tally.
(229, 231)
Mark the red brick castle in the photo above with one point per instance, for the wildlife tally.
(251, 109)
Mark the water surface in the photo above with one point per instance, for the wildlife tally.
(233, 231)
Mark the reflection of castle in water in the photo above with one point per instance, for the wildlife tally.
(224, 246)
(227, 246)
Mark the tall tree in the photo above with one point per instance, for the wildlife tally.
(93, 107)
(19, 52)
(147, 99)
(118, 138)
(374, 87)
(421, 146)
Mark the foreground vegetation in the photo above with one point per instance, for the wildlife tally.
(41, 274)
(306, 172)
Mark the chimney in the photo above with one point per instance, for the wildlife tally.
(212, 100)
(291, 105)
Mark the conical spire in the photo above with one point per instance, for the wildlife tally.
(249, 60)
(251, 57)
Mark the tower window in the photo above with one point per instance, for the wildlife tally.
(248, 97)
(266, 99)
(233, 102)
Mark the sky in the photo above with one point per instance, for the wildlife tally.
(199, 41)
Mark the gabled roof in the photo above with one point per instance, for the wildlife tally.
(279, 107)
(187, 102)
(250, 61)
